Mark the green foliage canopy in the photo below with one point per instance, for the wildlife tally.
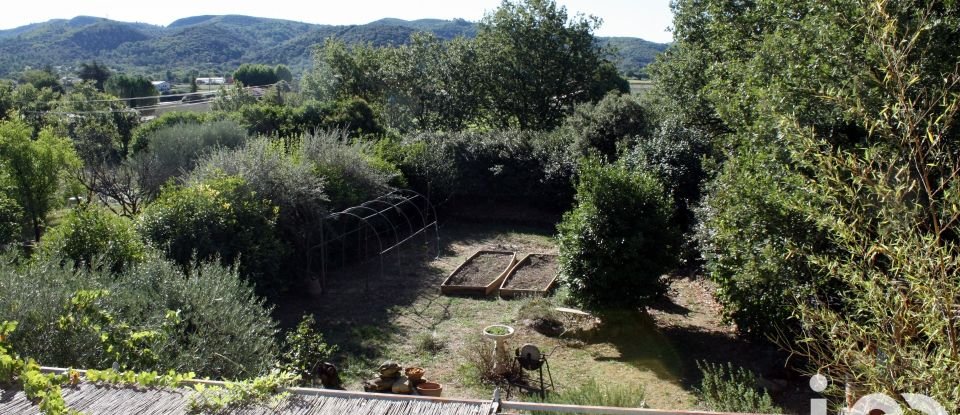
(95, 72)
(618, 240)
(92, 236)
(220, 219)
(250, 74)
(128, 86)
(540, 62)
(37, 169)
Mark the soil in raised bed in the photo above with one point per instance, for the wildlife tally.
(481, 270)
(533, 274)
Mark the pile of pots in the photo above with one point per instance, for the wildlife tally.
(394, 379)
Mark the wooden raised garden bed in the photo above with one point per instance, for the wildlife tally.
(534, 275)
(481, 274)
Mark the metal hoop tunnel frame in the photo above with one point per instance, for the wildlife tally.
(367, 215)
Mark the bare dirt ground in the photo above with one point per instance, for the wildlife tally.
(374, 317)
(481, 270)
(534, 273)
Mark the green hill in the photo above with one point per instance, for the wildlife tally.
(634, 53)
(221, 43)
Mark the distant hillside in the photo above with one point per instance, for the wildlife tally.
(221, 43)
(634, 53)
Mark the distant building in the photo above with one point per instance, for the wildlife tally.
(161, 86)
(211, 81)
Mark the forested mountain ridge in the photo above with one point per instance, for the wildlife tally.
(220, 43)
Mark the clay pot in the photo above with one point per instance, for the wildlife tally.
(430, 389)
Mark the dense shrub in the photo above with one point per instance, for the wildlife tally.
(618, 241)
(263, 118)
(270, 118)
(306, 177)
(730, 389)
(272, 171)
(500, 165)
(221, 218)
(90, 235)
(352, 172)
(747, 232)
(251, 74)
(292, 184)
(141, 136)
(208, 322)
(600, 129)
(675, 154)
(352, 114)
(174, 150)
(36, 170)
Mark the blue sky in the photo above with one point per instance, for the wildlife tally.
(646, 19)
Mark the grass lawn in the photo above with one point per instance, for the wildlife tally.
(396, 314)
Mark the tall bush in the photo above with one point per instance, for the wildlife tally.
(291, 183)
(748, 229)
(492, 165)
(618, 240)
(861, 98)
(352, 172)
(890, 206)
(219, 219)
(141, 135)
(174, 150)
(603, 128)
(676, 154)
(92, 236)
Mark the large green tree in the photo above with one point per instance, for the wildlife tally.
(95, 72)
(529, 65)
(250, 74)
(436, 85)
(42, 78)
(342, 71)
(33, 103)
(853, 104)
(36, 169)
(540, 62)
(6, 98)
(102, 128)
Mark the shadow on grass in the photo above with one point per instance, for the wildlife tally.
(672, 353)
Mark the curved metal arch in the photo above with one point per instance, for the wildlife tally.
(398, 200)
(436, 227)
(375, 233)
(396, 235)
(393, 207)
(409, 200)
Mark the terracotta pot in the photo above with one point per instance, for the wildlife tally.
(430, 389)
(414, 373)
